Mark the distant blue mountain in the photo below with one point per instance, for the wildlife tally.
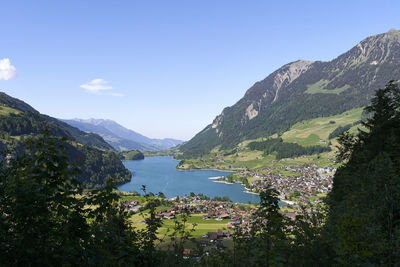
(120, 137)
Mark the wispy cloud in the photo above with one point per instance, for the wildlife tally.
(7, 71)
(96, 85)
(99, 86)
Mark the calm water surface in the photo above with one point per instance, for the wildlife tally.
(159, 174)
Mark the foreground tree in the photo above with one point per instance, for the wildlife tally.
(47, 219)
(364, 205)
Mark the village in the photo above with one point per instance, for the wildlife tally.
(297, 185)
(230, 215)
(300, 187)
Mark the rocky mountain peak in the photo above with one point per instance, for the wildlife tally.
(377, 49)
(289, 73)
(270, 90)
(304, 90)
(393, 32)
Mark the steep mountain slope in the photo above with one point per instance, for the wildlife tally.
(26, 112)
(115, 141)
(122, 138)
(303, 90)
(19, 121)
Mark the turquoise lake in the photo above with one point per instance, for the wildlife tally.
(159, 174)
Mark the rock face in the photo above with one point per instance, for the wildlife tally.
(267, 91)
(303, 90)
(288, 75)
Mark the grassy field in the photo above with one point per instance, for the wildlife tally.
(4, 111)
(319, 87)
(324, 159)
(201, 228)
(310, 132)
(305, 133)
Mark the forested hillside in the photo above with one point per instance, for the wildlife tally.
(304, 90)
(98, 160)
(358, 225)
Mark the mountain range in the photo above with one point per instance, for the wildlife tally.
(121, 138)
(304, 90)
(99, 160)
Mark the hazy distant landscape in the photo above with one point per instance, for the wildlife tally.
(121, 138)
(216, 134)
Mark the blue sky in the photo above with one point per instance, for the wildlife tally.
(167, 68)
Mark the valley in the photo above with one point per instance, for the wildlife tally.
(282, 133)
(302, 170)
(305, 179)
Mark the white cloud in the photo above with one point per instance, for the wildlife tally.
(7, 71)
(96, 85)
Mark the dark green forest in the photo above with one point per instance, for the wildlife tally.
(341, 129)
(47, 218)
(98, 160)
(286, 150)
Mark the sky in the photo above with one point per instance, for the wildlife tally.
(167, 68)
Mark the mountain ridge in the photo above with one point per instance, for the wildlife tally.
(98, 160)
(122, 138)
(303, 90)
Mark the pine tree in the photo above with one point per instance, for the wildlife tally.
(364, 205)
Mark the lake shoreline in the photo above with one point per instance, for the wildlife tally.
(159, 174)
(247, 190)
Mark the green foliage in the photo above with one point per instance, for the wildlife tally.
(341, 129)
(179, 236)
(200, 144)
(22, 119)
(364, 215)
(97, 165)
(14, 103)
(233, 151)
(29, 123)
(285, 150)
(319, 87)
(132, 155)
(47, 219)
(223, 199)
(229, 178)
(265, 243)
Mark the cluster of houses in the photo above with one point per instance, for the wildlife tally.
(235, 215)
(215, 236)
(132, 206)
(306, 181)
(216, 210)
